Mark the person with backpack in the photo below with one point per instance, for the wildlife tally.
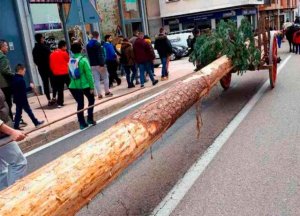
(97, 60)
(59, 60)
(82, 84)
(127, 59)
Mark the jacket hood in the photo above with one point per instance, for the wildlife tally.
(161, 37)
(126, 45)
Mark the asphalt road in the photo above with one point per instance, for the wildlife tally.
(147, 181)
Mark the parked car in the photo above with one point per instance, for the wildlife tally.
(179, 51)
(157, 61)
(179, 37)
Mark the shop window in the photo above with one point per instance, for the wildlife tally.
(174, 27)
(131, 9)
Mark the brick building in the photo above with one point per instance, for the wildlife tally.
(279, 11)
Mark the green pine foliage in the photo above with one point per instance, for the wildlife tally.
(237, 43)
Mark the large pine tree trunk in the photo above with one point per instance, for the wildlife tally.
(65, 185)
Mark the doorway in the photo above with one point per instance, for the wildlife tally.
(132, 27)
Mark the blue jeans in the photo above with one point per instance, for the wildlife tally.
(145, 67)
(164, 70)
(128, 70)
(19, 108)
(13, 164)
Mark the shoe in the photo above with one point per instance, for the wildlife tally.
(39, 123)
(119, 81)
(54, 100)
(83, 126)
(163, 79)
(155, 82)
(91, 122)
(109, 94)
(60, 106)
(131, 85)
(137, 83)
(22, 123)
(100, 97)
(142, 86)
(167, 77)
(20, 129)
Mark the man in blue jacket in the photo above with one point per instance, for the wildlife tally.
(111, 61)
(97, 61)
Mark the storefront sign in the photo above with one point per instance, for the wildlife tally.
(131, 5)
(249, 12)
(229, 14)
(45, 17)
(205, 16)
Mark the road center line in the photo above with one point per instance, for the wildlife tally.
(99, 121)
(174, 197)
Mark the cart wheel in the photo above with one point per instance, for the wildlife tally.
(225, 81)
(273, 60)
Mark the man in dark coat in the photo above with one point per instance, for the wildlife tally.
(144, 55)
(97, 60)
(164, 49)
(41, 57)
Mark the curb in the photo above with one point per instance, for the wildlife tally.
(43, 138)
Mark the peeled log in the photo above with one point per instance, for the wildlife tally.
(65, 185)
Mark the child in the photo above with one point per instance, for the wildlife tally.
(20, 97)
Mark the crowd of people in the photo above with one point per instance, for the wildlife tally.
(80, 73)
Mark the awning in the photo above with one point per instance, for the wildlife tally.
(82, 11)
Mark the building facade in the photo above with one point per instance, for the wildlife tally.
(180, 15)
(279, 11)
(122, 17)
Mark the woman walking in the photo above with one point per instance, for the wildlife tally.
(82, 84)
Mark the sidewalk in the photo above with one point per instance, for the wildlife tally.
(179, 70)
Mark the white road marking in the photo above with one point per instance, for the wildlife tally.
(174, 197)
(99, 121)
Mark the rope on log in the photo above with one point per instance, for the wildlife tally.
(66, 184)
(70, 115)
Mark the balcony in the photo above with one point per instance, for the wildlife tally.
(180, 7)
(283, 4)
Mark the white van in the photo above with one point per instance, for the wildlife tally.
(180, 37)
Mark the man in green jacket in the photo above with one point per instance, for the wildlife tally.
(82, 86)
(6, 75)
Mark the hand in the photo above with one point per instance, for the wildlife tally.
(17, 135)
(92, 91)
(32, 85)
